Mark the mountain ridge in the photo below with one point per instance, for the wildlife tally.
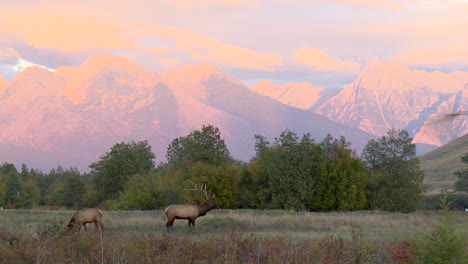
(76, 114)
(109, 99)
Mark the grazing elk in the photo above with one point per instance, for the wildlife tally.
(189, 211)
(85, 216)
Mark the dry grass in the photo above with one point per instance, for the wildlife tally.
(373, 225)
(222, 236)
(440, 164)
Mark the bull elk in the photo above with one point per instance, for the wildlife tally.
(190, 211)
(85, 216)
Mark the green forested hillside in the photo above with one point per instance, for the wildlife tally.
(440, 164)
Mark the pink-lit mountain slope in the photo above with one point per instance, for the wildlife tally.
(387, 95)
(3, 85)
(72, 116)
(300, 95)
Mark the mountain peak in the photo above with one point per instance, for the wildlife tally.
(386, 66)
(300, 95)
(194, 73)
(98, 62)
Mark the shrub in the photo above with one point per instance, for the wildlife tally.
(443, 245)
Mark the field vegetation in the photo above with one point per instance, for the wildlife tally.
(229, 236)
(440, 165)
(296, 201)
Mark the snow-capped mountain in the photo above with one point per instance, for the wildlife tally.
(73, 115)
(387, 95)
(300, 95)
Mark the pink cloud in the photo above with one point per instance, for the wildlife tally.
(208, 3)
(320, 61)
(10, 53)
(168, 63)
(433, 57)
(47, 29)
(205, 49)
(386, 4)
(158, 50)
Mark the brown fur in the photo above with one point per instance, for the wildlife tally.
(189, 211)
(85, 216)
(186, 211)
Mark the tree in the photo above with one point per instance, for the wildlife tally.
(461, 184)
(346, 174)
(114, 168)
(14, 196)
(205, 145)
(221, 180)
(293, 167)
(395, 176)
(254, 190)
(73, 189)
(142, 192)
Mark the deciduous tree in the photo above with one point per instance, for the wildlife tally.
(395, 176)
(114, 168)
(205, 145)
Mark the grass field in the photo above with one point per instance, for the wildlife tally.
(440, 164)
(222, 236)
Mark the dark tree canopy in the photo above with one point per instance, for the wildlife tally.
(115, 167)
(205, 145)
(396, 178)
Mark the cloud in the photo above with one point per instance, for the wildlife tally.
(11, 63)
(157, 50)
(191, 4)
(169, 63)
(387, 4)
(48, 29)
(8, 56)
(201, 48)
(434, 58)
(318, 60)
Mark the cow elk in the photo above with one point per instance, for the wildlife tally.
(85, 216)
(189, 211)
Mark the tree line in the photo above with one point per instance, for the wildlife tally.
(292, 172)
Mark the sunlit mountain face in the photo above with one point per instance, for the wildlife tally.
(72, 115)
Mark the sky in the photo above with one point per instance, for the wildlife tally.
(326, 43)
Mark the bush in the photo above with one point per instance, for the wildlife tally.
(443, 245)
(456, 201)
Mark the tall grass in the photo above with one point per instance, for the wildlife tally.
(222, 236)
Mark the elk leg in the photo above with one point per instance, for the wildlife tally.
(169, 224)
(191, 223)
(102, 226)
(84, 225)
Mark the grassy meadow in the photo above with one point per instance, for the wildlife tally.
(440, 164)
(222, 236)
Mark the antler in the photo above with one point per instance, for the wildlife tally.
(202, 189)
